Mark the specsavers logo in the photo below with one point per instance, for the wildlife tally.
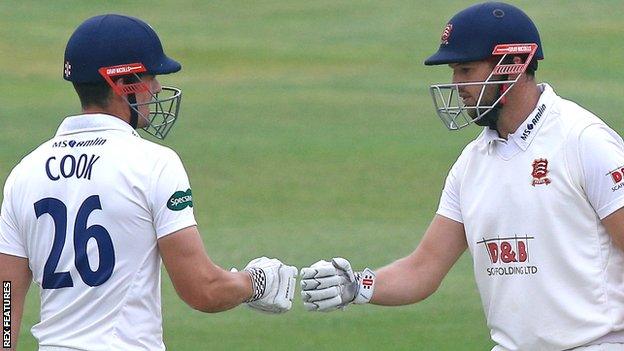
(180, 200)
(508, 255)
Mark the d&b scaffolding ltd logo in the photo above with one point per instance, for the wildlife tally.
(508, 255)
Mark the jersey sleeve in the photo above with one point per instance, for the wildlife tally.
(11, 240)
(171, 198)
(449, 201)
(601, 155)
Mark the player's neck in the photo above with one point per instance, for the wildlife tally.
(521, 101)
(117, 110)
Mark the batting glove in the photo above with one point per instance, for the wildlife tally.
(327, 286)
(273, 285)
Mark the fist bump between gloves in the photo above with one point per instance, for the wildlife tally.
(325, 286)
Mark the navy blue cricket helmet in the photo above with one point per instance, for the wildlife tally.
(491, 30)
(112, 45)
(472, 34)
(111, 40)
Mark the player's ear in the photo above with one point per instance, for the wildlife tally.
(517, 60)
(112, 96)
(119, 82)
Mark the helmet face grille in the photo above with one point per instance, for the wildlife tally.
(449, 105)
(163, 106)
(451, 108)
(163, 111)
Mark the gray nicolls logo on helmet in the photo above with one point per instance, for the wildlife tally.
(492, 31)
(118, 50)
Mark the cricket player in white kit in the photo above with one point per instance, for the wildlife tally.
(536, 198)
(89, 214)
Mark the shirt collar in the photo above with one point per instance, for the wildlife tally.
(528, 129)
(93, 122)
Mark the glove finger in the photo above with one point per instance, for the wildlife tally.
(322, 283)
(266, 309)
(259, 259)
(280, 306)
(305, 296)
(324, 294)
(320, 263)
(313, 307)
(310, 306)
(286, 287)
(324, 305)
(256, 261)
(291, 270)
(290, 292)
(317, 272)
(343, 265)
(259, 307)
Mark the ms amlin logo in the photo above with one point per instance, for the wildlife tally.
(6, 314)
(508, 255)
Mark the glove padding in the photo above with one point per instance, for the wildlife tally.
(327, 286)
(273, 283)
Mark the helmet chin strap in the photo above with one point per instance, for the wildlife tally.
(490, 119)
(134, 116)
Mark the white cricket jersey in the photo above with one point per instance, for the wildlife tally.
(549, 275)
(86, 208)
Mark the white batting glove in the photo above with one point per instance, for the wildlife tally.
(327, 286)
(273, 285)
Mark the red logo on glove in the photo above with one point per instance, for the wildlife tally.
(367, 282)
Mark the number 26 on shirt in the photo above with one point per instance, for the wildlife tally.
(82, 234)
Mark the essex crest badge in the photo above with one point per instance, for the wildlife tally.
(540, 171)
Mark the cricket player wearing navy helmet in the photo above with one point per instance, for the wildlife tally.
(536, 198)
(129, 49)
(90, 214)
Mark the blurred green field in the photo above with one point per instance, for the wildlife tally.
(307, 131)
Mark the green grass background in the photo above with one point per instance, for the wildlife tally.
(307, 131)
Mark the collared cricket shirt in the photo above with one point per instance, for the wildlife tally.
(549, 275)
(87, 208)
